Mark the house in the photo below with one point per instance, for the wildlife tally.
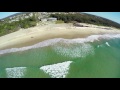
(44, 19)
(26, 17)
(44, 13)
(52, 19)
(31, 14)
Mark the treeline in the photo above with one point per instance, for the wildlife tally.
(85, 18)
(6, 27)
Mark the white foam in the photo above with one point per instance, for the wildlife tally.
(41, 44)
(49, 42)
(16, 72)
(59, 70)
(107, 44)
(98, 46)
(81, 50)
(101, 45)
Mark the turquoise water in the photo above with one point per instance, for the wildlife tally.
(97, 56)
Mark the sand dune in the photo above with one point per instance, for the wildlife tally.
(30, 36)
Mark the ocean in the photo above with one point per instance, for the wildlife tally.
(96, 56)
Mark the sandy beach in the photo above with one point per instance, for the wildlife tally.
(30, 36)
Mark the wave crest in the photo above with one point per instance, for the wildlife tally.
(16, 72)
(59, 70)
(49, 42)
(73, 51)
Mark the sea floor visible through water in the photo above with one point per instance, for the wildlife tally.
(96, 56)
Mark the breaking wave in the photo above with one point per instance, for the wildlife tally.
(78, 50)
(59, 70)
(107, 44)
(16, 72)
(50, 42)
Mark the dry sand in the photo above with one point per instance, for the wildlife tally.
(30, 36)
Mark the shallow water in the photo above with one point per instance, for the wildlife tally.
(96, 56)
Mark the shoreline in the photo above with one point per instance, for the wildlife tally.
(30, 36)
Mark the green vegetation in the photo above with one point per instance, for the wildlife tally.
(85, 18)
(59, 21)
(6, 27)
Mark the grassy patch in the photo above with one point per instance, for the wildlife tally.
(59, 21)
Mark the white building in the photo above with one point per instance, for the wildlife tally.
(31, 14)
(26, 16)
(44, 19)
(52, 19)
